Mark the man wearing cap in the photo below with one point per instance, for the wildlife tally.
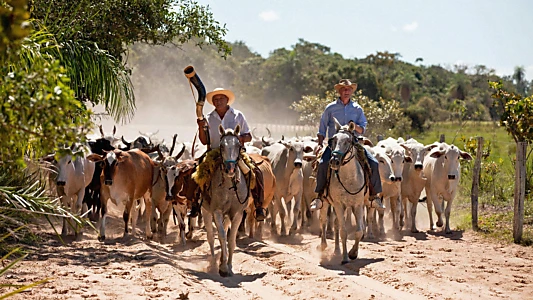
(229, 117)
(344, 110)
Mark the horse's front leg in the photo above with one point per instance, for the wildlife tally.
(339, 212)
(323, 223)
(232, 240)
(359, 212)
(222, 237)
(209, 230)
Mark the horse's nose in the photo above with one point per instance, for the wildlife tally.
(168, 197)
(392, 178)
(60, 183)
(418, 166)
(451, 177)
(298, 164)
(108, 182)
(398, 178)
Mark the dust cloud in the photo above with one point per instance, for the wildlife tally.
(165, 104)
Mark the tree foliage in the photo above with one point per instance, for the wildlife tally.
(517, 116)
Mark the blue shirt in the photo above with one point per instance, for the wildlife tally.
(230, 120)
(344, 114)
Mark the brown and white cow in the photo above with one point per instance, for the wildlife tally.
(269, 189)
(182, 190)
(126, 178)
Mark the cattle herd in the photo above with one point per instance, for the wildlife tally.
(149, 180)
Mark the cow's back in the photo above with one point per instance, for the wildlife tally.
(134, 175)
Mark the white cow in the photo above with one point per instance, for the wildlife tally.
(413, 180)
(286, 159)
(75, 172)
(391, 157)
(443, 171)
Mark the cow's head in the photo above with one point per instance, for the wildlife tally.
(176, 178)
(100, 145)
(111, 161)
(417, 151)
(451, 155)
(66, 159)
(342, 143)
(296, 150)
(230, 148)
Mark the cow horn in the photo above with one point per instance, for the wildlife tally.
(101, 131)
(181, 152)
(114, 129)
(282, 137)
(253, 134)
(269, 133)
(125, 142)
(161, 156)
(173, 144)
(264, 142)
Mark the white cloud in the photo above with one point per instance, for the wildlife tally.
(410, 27)
(269, 16)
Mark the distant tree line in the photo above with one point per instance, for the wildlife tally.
(287, 76)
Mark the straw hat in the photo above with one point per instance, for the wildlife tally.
(345, 83)
(220, 91)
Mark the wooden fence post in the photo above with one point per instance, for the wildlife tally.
(442, 138)
(519, 191)
(475, 182)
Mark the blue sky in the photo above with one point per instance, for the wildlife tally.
(497, 34)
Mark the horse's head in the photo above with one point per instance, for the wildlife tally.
(230, 148)
(343, 142)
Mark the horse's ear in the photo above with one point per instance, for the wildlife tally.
(221, 130)
(337, 124)
(351, 126)
(237, 129)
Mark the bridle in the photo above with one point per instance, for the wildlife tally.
(341, 156)
(225, 164)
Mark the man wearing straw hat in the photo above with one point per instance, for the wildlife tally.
(229, 117)
(344, 110)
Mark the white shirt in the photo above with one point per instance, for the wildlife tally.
(230, 121)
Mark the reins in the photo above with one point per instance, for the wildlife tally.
(344, 161)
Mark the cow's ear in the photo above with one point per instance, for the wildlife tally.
(465, 155)
(429, 147)
(351, 126)
(95, 157)
(221, 130)
(407, 149)
(237, 129)
(408, 159)
(308, 149)
(437, 154)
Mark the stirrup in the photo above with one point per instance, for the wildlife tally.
(263, 210)
(314, 203)
(377, 202)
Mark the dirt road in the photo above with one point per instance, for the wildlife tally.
(427, 265)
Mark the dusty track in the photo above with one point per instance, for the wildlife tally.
(427, 265)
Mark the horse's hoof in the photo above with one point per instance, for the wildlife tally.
(353, 256)
(448, 232)
(225, 273)
(439, 224)
(345, 262)
(101, 238)
(188, 235)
